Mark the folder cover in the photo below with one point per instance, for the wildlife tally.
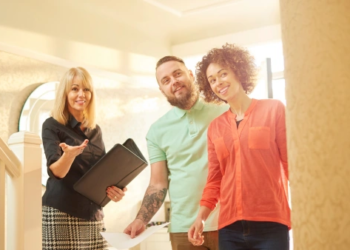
(117, 168)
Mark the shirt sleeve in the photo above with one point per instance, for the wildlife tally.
(281, 139)
(52, 149)
(211, 192)
(155, 153)
(98, 128)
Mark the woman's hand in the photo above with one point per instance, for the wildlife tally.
(74, 151)
(195, 232)
(115, 194)
(61, 167)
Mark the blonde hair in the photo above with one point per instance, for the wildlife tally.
(60, 110)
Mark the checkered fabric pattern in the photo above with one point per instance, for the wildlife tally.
(63, 231)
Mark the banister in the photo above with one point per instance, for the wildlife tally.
(12, 164)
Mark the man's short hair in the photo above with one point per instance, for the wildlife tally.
(168, 59)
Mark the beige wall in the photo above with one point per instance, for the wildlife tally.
(77, 33)
(316, 35)
(125, 110)
(18, 77)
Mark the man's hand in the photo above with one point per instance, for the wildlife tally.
(153, 199)
(195, 233)
(135, 228)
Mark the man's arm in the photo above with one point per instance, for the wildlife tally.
(153, 199)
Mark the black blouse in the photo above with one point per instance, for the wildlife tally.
(59, 193)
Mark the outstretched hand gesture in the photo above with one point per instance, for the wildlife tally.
(74, 150)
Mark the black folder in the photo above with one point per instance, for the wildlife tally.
(116, 168)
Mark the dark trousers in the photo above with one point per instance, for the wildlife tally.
(254, 235)
(179, 241)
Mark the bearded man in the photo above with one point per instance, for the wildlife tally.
(177, 148)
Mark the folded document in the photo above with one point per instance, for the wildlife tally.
(123, 241)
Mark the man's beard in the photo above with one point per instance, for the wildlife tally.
(186, 101)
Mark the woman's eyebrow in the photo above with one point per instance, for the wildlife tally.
(216, 73)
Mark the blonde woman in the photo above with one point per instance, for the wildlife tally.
(73, 143)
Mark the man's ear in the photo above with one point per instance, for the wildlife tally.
(191, 74)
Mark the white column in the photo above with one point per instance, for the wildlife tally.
(316, 42)
(2, 204)
(24, 194)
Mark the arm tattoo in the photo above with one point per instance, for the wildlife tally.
(151, 203)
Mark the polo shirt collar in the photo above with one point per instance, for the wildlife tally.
(197, 106)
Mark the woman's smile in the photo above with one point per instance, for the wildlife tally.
(223, 90)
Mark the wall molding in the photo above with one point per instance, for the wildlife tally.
(258, 36)
(193, 11)
(61, 62)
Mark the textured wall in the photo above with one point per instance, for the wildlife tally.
(18, 78)
(125, 110)
(316, 37)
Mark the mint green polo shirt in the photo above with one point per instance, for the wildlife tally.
(180, 138)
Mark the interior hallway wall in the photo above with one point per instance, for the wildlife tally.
(19, 76)
(316, 35)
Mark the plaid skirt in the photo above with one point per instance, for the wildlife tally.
(63, 231)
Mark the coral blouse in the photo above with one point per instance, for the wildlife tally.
(248, 168)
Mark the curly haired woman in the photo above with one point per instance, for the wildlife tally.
(247, 154)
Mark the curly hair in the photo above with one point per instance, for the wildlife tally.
(236, 59)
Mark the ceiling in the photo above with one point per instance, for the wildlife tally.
(107, 34)
(180, 21)
(171, 21)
